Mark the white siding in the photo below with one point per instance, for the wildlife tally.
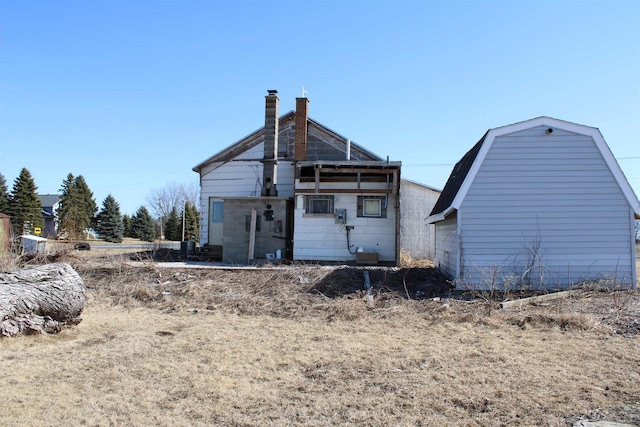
(238, 179)
(552, 193)
(416, 236)
(321, 239)
(446, 245)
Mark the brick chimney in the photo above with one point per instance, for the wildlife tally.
(302, 114)
(270, 160)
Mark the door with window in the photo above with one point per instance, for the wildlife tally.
(216, 219)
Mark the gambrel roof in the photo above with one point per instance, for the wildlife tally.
(227, 154)
(465, 171)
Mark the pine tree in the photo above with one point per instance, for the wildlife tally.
(192, 222)
(4, 196)
(142, 225)
(173, 226)
(77, 207)
(89, 206)
(109, 224)
(67, 217)
(25, 207)
(126, 224)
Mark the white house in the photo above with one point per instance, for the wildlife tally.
(298, 188)
(540, 203)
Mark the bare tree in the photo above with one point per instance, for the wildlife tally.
(192, 193)
(173, 195)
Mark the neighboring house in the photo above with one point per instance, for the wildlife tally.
(540, 203)
(315, 195)
(50, 203)
(417, 237)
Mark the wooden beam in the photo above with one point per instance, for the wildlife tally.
(252, 235)
(317, 181)
(358, 180)
(341, 191)
(355, 170)
(394, 183)
(537, 299)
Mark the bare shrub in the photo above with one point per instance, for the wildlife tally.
(9, 262)
(407, 261)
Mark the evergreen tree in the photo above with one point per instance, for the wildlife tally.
(173, 226)
(88, 203)
(126, 224)
(142, 225)
(77, 207)
(66, 218)
(25, 207)
(68, 212)
(192, 222)
(109, 224)
(4, 196)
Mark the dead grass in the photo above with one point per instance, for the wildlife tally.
(300, 347)
(407, 261)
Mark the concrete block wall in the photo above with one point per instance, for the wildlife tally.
(236, 237)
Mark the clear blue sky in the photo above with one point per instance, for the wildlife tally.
(133, 94)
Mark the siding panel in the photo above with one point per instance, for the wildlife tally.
(446, 251)
(318, 238)
(552, 193)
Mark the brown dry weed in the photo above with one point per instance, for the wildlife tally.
(299, 346)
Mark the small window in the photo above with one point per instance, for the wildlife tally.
(319, 204)
(372, 206)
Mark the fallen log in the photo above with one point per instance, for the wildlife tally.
(41, 299)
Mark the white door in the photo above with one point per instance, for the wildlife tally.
(216, 218)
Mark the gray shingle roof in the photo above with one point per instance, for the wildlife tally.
(459, 173)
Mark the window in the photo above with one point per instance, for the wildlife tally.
(217, 211)
(372, 206)
(319, 204)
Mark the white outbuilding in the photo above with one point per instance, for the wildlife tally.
(541, 204)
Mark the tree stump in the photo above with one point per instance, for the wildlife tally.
(41, 299)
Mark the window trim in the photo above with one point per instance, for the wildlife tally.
(382, 205)
(309, 199)
(364, 208)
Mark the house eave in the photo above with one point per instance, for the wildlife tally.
(440, 216)
(245, 143)
(241, 145)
